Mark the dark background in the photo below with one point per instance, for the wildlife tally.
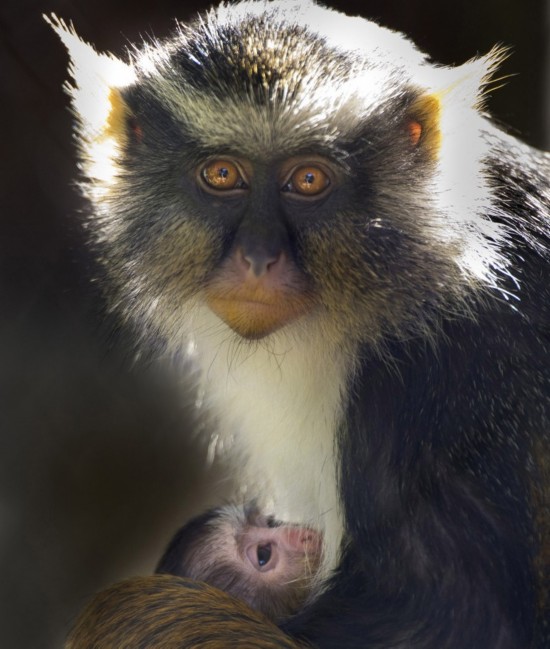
(98, 463)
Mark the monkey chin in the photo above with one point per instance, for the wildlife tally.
(253, 319)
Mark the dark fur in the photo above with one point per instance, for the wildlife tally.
(184, 542)
(444, 532)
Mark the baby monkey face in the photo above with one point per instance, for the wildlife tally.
(272, 566)
(279, 554)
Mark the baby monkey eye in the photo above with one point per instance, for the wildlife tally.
(263, 554)
(222, 175)
(307, 180)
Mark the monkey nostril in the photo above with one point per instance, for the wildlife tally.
(260, 262)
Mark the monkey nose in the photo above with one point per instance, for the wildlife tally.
(259, 262)
(306, 538)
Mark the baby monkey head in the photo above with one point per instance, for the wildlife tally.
(269, 565)
(276, 165)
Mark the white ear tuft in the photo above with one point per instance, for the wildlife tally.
(97, 103)
(469, 83)
(95, 76)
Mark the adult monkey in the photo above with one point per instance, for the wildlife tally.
(357, 260)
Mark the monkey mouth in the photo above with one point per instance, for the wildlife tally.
(256, 316)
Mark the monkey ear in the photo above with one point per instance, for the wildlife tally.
(96, 98)
(423, 123)
(454, 97)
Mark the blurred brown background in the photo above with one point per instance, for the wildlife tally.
(98, 464)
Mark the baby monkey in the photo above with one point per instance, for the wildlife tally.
(269, 565)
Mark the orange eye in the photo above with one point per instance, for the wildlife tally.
(222, 175)
(307, 181)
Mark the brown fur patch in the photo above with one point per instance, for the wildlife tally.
(167, 612)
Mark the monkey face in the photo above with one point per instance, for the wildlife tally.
(280, 554)
(278, 237)
(261, 175)
(269, 238)
(269, 565)
(274, 566)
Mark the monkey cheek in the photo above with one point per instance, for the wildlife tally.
(254, 319)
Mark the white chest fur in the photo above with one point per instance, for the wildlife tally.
(278, 405)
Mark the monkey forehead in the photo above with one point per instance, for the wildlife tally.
(322, 116)
(270, 75)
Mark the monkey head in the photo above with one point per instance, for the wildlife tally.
(267, 171)
(269, 565)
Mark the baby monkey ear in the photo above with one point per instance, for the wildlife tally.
(95, 91)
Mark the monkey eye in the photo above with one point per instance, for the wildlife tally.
(222, 175)
(263, 554)
(307, 180)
